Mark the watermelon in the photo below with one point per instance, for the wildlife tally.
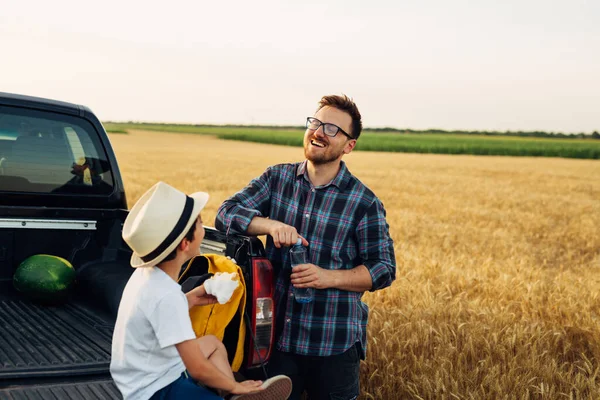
(45, 278)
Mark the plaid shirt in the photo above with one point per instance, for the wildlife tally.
(345, 226)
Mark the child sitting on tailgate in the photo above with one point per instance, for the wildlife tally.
(155, 353)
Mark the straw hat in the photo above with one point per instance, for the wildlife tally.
(158, 222)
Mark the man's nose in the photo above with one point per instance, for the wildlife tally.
(320, 132)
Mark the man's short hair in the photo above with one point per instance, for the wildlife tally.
(344, 103)
(190, 235)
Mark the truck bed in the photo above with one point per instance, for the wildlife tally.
(101, 390)
(43, 341)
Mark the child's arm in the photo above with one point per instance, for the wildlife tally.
(202, 370)
(199, 297)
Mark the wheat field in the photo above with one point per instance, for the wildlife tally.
(496, 295)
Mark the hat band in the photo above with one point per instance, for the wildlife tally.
(179, 227)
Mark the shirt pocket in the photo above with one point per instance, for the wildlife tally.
(337, 254)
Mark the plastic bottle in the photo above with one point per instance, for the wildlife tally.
(297, 257)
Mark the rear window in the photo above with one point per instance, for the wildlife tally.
(44, 152)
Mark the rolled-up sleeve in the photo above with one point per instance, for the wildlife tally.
(236, 213)
(376, 247)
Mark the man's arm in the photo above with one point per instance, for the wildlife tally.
(244, 213)
(237, 212)
(376, 249)
(357, 279)
(282, 234)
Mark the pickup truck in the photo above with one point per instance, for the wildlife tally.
(61, 193)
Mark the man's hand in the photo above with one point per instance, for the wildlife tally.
(357, 279)
(284, 235)
(309, 275)
(247, 387)
(199, 297)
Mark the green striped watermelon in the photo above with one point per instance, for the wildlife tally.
(44, 278)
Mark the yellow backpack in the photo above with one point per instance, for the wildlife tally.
(225, 321)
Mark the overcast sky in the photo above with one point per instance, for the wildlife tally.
(450, 64)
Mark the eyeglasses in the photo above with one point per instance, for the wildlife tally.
(329, 129)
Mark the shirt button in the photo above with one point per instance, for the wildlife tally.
(288, 320)
(307, 215)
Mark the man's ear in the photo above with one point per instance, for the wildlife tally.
(349, 146)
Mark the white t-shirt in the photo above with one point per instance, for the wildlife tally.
(153, 317)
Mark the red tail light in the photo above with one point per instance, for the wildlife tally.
(262, 314)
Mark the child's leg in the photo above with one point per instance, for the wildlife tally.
(215, 352)
(185, 388)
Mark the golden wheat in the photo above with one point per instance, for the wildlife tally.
(496, 294)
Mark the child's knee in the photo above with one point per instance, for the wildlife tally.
(210, 343)
(219, 344)
(212, 340)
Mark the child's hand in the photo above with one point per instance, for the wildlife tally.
(199, 297)
(247, 387)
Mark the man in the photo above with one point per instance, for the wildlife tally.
(155, 353)
(319, 344)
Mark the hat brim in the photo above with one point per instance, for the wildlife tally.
(200, 200)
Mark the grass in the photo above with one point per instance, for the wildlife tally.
(498, 282)
(446, 144)
(199, 129)
(396, 142)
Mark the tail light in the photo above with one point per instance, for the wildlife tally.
(261, 318)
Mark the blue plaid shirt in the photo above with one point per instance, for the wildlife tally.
(344, 223)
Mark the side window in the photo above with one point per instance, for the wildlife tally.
(51, 153)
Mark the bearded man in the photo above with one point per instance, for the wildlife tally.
(319, 344)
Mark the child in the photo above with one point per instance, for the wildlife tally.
(155, 353)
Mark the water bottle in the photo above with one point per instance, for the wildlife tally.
(297, 257)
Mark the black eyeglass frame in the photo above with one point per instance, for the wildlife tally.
(308, 119)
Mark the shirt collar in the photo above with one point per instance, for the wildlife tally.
(340, 181)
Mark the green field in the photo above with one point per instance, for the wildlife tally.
(397, 142)
(114, 130)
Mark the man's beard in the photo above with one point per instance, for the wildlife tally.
(325, 157)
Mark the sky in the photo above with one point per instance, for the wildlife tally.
(418, 64)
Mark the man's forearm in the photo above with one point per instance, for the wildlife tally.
(260, 226)
(282, 234)
(357, 279)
